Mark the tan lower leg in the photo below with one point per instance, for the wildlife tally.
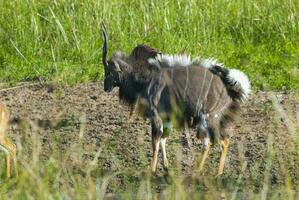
(224, 143)
(163, 145)
(204, 157)
(156, 144)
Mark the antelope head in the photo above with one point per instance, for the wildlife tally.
(115, 68)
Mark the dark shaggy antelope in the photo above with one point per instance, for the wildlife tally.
(177, 90)
(8, 147)
(119, 71)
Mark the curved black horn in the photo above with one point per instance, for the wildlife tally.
(105, 46)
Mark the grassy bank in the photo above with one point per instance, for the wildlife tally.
(61, 40)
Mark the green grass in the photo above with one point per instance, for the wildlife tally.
(61, 41)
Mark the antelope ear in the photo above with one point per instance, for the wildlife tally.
(123, 66)
(117, 66)
(154, 64)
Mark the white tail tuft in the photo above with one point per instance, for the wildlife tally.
(210, 63)
(241, 81)
(182, 60)
(166, 60)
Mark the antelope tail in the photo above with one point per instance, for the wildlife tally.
(237, 85)
(235, 81)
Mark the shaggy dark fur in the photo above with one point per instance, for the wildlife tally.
(129, 74)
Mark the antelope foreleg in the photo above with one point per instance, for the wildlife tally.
(157, 130)
(163, 145)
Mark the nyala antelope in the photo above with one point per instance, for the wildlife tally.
(176, 90)
(8, 147)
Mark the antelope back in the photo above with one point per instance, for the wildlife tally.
(139, 60)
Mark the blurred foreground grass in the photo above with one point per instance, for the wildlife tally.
(56, 169)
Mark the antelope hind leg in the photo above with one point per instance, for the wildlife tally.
(205, 156)
(224, 143)
(203, 129)
(167, 129)
(156, 145)
(157, 130)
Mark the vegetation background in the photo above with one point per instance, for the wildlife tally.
(60, 41)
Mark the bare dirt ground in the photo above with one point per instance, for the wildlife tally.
(98, 121)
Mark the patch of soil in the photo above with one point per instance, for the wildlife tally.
(97, 119)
